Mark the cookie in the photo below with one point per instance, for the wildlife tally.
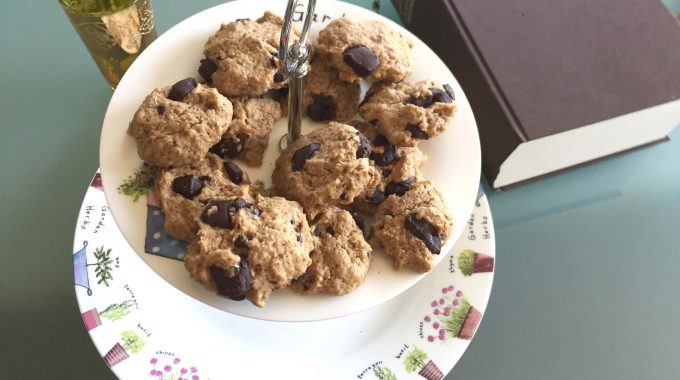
(175, 126)
(411, 228)
(366, 49)
(409, 112)
(249, 247)
(340, 258)
(241, 57)
(327, 98)
(399, 168)
(248, 134)
(183, 191)
(327, 167)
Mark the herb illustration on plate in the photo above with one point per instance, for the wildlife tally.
(384, 373)
(451, 316)
(103, 267)
(172, 369)
(417, 360)
(102, 271)
(113, 312)
(470, 262)
(131, 341)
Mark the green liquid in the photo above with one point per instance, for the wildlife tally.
(114, 31)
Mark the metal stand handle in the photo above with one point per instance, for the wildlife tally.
(293, 65)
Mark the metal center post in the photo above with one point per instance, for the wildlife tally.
(293, 65)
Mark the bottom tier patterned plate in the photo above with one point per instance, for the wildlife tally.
(146, 329)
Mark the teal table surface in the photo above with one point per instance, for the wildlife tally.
(587, 281)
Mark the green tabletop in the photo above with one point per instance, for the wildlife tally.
(587, 281)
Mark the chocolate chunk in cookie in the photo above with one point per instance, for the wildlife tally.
(416, 132)
(184, 191)
(359, 220)
(248, 134)
(303, 154)
(376, 197)
(187, 186)
(365, 49)
(181, 89)
(242, 52)
(322, 108)
(449, 91)
(364, 149)
(234, 172)
(230, 147)
(341, 256)
(235, 282)
(269, 249)
(361, 59)
(207, 68)
(408, 112)
(399, 188)
(177, 125)
(327, 97)
(388, 155)
(412, 228)
(424, 231)
(217, 214)
(323, 168)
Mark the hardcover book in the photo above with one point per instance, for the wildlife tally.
(557, 84)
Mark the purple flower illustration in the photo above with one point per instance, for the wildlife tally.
(451, 316)
(168, 369)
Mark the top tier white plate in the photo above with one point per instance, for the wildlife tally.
(453, 165)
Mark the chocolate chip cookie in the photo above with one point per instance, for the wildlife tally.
(340, 258)
(327, 98)
(176, 126)
(248, 134)
(399, 168)
(247, 248)
(241, 57)
(183, 191)
(412, 227)
(408, 112)
(366, 49)
(327, 167)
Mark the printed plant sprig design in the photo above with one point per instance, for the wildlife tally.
(466, 261)
(103, 265)
(454, 322)
(384, 373)
(117, 311)
(471, 262)
(452, 316)
(132, 341)
(415, 360)
(139, 184)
